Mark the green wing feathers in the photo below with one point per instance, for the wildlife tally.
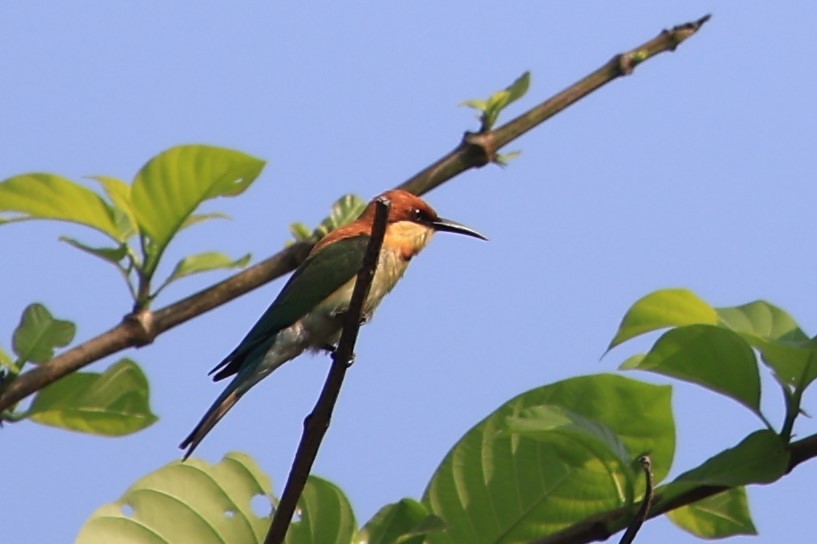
(320, 275)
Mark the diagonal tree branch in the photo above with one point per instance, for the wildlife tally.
(602, 526)
(474, 151)
(316, 423)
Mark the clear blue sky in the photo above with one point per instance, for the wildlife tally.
(697, 171)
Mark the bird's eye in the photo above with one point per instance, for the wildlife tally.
(418, 214)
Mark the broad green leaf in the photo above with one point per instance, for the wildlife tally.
(563, 427)
(119, 193)
(497, 487)
(762, 319)
(205, 262)
(39, 333)
(760, 458)
(109, 254)
(326, 517)
(182, 502)
(719, 516)
(48, 196)
(169, 188)
(114, 403)
(793, 363)
(404, 522)
(783, 345)
(196, 218)
(713, 357)
(662, 309)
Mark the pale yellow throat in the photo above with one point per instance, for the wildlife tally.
(407, 237)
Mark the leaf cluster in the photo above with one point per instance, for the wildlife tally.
(549, 459)
(139, 219)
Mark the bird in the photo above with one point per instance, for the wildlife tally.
(307, 315)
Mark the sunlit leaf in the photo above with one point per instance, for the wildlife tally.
(39, 333)
(196, 218)
(567, 429)
(719, 516)
(326, 517)
(662, 309)
(48, 196)
(205, 262)
(762, 319)
(120, 194)
(169, 188)
(793, 363)
(345, 210)
(191, 501)
(300, 232)
(497, 486)
(493, 106)
(113, 403)
(760, 458)
(404, 522)
(711, 356)
(783, 345)
(109, 254)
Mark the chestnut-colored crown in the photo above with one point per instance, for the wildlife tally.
(405, 206)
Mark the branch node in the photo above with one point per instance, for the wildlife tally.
(143, 327)
(479, 148)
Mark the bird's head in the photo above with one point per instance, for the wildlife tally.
(415, 212)
(411, 224)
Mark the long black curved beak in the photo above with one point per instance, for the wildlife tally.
(446, 225)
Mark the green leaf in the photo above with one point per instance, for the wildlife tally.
(760, 458)
(563, 427)
(109, 254)
(119, 193)
(197, 218)
(503, 159)
(300, 232)
(762, 319)
(719, 516)
(5, 360)
(404, 522)
(345, 210)
(326, 515)
(190, 501)
(783, 345)
(794, 364)
(47, 196)
(169, 188)
(39, 333)
(498, 101)
(713, 357)
(496, 486)
(114, 403)
(662, 309)
(205, 262)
